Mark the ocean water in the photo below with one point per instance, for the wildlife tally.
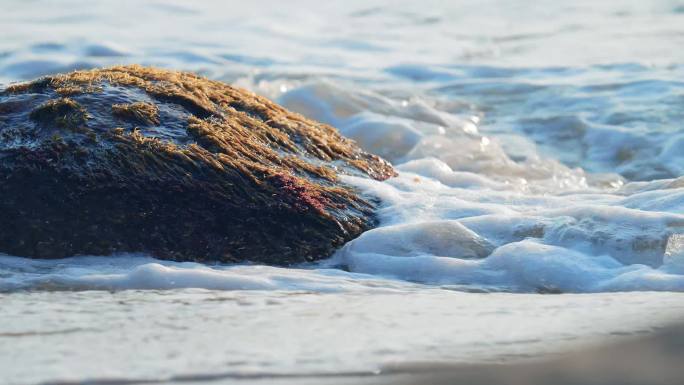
(539, 205)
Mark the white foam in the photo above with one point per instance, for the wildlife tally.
(138, 272)
(588, 244)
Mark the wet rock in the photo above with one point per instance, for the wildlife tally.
(136, 159)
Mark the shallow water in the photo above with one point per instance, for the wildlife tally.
(540, 150)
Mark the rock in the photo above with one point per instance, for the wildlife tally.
(136, 159)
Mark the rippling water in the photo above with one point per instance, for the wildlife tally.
(540, 150)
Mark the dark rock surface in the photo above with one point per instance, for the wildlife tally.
(136, 159)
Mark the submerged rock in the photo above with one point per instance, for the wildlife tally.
(136, 159)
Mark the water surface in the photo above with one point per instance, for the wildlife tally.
(540, 150)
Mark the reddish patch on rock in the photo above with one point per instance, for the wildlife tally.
(298, 193)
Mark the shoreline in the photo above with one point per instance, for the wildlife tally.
(653, 359)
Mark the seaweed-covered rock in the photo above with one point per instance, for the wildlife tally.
(136, 159)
